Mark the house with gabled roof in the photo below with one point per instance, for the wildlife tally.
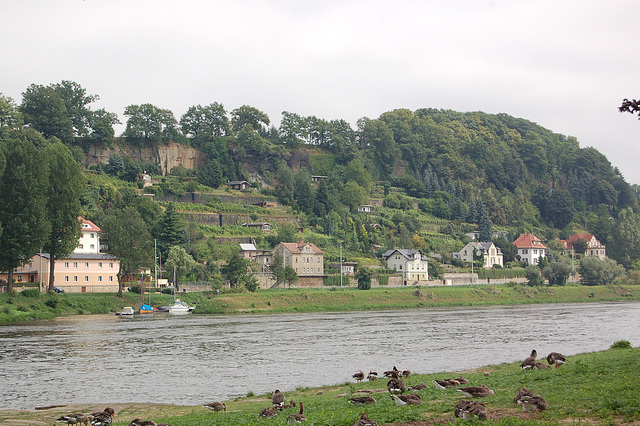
(411, 262)
(305, 258)
(530, 249)
(491, 254)
(594, 246)
(86, 269)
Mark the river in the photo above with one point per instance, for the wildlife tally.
(193, 359)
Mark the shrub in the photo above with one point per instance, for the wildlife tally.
(30, 292)
(134, 289)
(621, 344)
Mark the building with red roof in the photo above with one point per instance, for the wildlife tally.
(530, 249)
(305, 258)
(594, 246)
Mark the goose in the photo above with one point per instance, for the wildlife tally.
(409, 399)
(530, 361)
(476, 391)
(405, 373)
(418, 386)
(278, 398)
(216, 406)
(469, 409)
(541, 365)
(75, 418)
(395, 384)
(359, 400)
(103, 418)
(446, 384)
(534, 403)
(268, 413)
(359, 376)
(390, 372)
(139, 422)
(297, 418)
(373, 376)
(289, 405)
(461, 380)
(522, 393)
(556, 358)
(365, 421)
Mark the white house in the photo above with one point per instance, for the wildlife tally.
(594, 246)
(492, 254)
(411, 262)
(530, 249)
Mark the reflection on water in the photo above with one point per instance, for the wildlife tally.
(194, 359)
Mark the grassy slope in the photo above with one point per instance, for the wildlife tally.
(592, 388)
(45, 306)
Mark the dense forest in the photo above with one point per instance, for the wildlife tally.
(433, 175)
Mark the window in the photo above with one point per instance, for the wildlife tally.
(75, 278)
(86, 278)
(81, 246)
(75, 264)
(92, 246)
(91, 235)
(110, 278)
(99, 264)
(66, 278)
(86, 264)
(66, 264)
(99, 278)
(111, 265)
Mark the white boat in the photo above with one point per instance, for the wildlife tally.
(126, 311)
(180, 307)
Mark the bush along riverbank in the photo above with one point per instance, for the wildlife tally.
(591, 388)
(33, 305)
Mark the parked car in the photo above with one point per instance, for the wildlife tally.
(58, 289)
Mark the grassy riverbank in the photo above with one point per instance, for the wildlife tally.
(592, 388)
(30, 305)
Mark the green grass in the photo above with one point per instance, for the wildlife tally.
(592, 388)
(17, 308)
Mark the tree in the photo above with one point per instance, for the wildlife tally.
(43, 109)
(64, 189)
(353, 195)
(624, 243)
(171, 231)
(148, 123)
(630, 106)
(533, 276)
(210, 173)
(594, 271)
(557, 272)
(10, 117)
(286, 233)
(236, 269)
(129, 241)
(293, 129)
(22, 209)
(76, 103)
(248, 115)
(205, 123)
(285, 185)
(580, 245)
(290, 276)
(179, 260)
(277, 269)
(364, 276)
(102, 123)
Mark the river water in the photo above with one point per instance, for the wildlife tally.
(193, 359)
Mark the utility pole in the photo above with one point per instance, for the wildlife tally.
(340, 266)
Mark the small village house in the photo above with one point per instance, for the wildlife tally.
(594, 246)
(239, 185)
(262, 226)
(530, 249)
(411, 262)
(492, 255)
(305, 258)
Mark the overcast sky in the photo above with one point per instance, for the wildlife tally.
(565, 65)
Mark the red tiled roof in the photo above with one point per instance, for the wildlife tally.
(297, 247)
(87, 225)
(528, 241)
(575, 237)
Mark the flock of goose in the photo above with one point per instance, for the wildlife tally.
(395, 386)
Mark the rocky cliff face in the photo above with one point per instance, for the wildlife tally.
(166, 156)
